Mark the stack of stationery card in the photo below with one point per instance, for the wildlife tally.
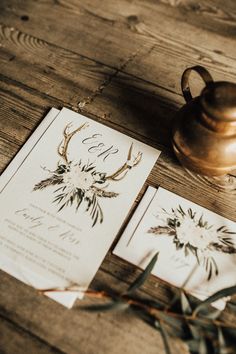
(196, 247)
(64, 198)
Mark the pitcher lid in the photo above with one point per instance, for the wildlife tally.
(218, 100)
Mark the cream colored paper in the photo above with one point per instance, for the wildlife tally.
(64, 198)
(190, 239)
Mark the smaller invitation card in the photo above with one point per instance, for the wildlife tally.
(64, 198)
(197, 247)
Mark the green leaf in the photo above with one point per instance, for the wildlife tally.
(143, 276)
(195, 331)
(211, 315)
(222, 343)
(203, 346)
(110, 306)
(193, 345)
(175, 323)
(231, 305)
(165, 338)
(218, 295)
(185, 305)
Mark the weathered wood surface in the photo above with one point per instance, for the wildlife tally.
(119, 62)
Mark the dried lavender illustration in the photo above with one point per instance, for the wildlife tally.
(80, 182)
(195, 236)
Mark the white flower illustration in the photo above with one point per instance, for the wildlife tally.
(196, 237)
(189, 232)
(78, 178)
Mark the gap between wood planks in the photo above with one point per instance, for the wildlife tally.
(121, 69)
(81, 104)
(61, 103)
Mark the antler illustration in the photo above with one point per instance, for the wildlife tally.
(81, 182)
(62, 148)
(126, 166)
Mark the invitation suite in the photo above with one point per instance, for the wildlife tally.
(64, 198)
(197, 248)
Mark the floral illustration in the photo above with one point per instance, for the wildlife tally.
(196, 236)
(80, 182)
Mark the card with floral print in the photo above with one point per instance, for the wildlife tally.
(64, 198)
(197, 247)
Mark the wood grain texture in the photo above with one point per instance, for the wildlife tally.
(155, 36)
(14, 339)
(76, 331)
(118, 62)
(52, 70)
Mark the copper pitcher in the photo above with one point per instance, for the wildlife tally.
(204, 134)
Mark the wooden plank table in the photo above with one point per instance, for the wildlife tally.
(119, 62)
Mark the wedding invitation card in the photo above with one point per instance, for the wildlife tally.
(64, 198)
(197, 248)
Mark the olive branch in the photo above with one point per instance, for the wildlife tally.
(202, 328)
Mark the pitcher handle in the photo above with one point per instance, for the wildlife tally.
(205, 75)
